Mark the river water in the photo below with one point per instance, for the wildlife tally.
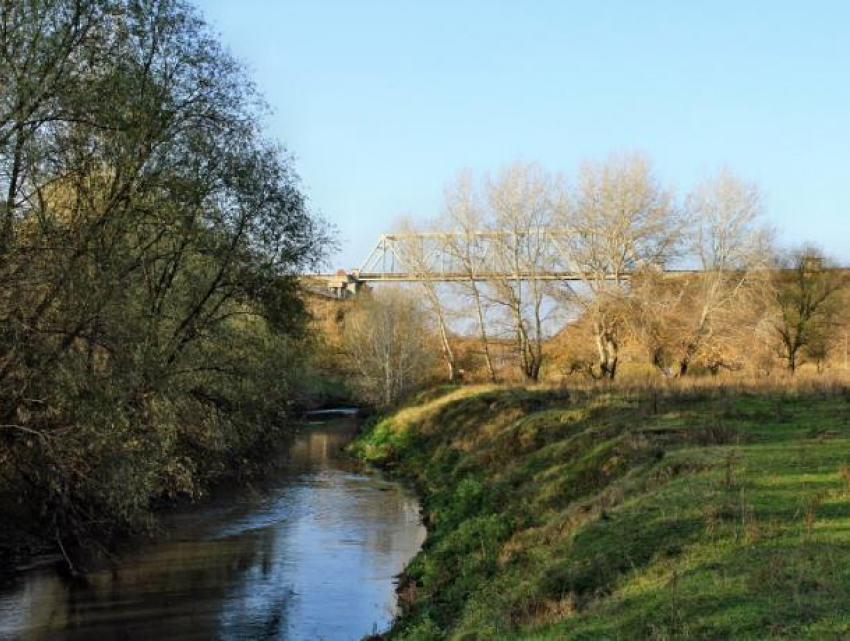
(313, 555)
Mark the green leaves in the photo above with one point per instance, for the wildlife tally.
(149, 318)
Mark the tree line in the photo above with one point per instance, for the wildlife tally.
(696, 283)
(150, 236)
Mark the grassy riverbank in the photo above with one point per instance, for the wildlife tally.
(704, 513)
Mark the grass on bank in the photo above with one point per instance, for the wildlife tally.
(703, 513)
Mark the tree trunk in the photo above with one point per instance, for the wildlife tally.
(7, 225)
(528, 363)
(792, 362)
(482, 333)
(608, 349)
(448, 353)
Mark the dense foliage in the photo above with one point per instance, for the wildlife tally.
(149, 238)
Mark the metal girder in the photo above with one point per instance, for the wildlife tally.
(461, 256)
(540, 254)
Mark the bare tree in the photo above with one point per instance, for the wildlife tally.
(465, 214)
(622, 221)
(521, 202)
(803, 295)
(684, 317)
(419, 253)
(386, 341)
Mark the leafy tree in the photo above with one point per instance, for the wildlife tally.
(804, 296)
(150, 241)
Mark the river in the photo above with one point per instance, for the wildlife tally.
(313, 555)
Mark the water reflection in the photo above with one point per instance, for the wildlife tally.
(311, 557)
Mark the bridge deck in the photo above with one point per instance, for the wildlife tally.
(457, 277)
(460, 277)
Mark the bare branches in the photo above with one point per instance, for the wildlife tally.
(464, 212)
(613, 249)
(622, 222)
(418, 259)
(687, 318)
(386, 346)
(520, 199)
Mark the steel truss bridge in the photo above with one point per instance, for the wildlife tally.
(457, 256)
(542, 254)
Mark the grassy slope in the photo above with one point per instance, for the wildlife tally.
(618, 516)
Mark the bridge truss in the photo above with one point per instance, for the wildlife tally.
(479, 255)
(542, 254)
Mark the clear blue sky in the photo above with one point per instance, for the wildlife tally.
(382, 102)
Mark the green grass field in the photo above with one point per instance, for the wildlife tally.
(625, 515)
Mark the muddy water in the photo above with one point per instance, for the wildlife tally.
(312, 556)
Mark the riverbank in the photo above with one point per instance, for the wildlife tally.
(649, 514)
